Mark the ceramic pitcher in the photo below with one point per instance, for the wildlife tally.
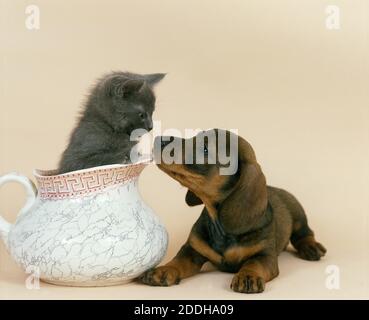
(85, 228)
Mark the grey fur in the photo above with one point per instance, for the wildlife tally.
(119, 103)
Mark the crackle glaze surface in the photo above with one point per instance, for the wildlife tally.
(105, 237)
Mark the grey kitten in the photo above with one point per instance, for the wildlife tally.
(119, 103)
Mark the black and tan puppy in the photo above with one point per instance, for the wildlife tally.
(244, 225)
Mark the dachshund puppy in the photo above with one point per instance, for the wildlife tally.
(244, 224)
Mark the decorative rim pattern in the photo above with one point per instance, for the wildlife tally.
(84, 182)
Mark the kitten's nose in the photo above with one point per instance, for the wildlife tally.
(149, 125)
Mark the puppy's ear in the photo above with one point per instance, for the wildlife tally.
(154, 78)
(247, 201)
(192, 199)
(118, 86)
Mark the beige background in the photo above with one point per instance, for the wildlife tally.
(271, 69)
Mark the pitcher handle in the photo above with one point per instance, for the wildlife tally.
(31, 196)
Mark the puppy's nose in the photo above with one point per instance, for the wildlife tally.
(159, 143)
(166, 140)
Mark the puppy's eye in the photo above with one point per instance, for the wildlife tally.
(206, 150)
(141, 115)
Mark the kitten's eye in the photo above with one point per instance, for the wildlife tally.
(206, 150)
(141, 115)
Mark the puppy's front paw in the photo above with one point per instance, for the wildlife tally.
(247, 283)
(162, 276)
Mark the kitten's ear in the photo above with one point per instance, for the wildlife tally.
(192, 199)
(119, 87)
(131, 86)
(154, 78)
